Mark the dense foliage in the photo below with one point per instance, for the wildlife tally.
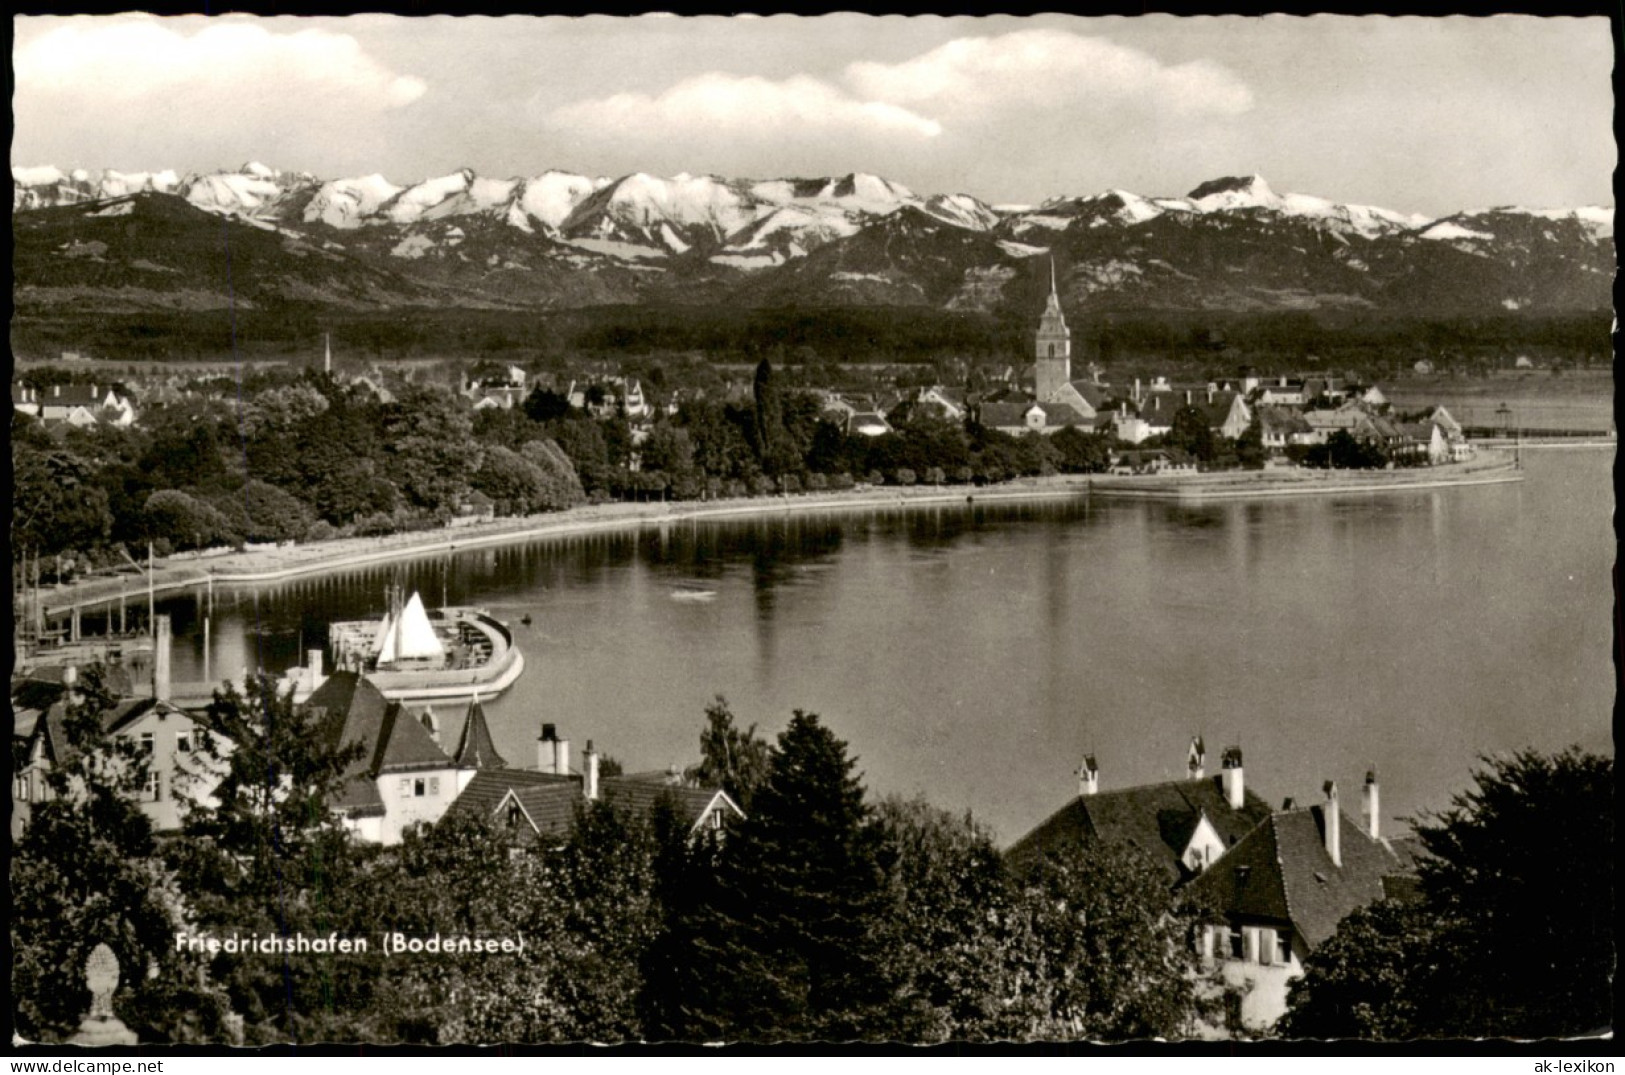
(1512, 932)
(822, 915)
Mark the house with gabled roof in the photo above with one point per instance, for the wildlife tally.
(403, 776)
(539, 807)
(170, 739)
(1182, 825)
(1284, 426)
(1283, 888)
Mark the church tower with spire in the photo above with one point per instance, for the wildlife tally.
(1054, 353)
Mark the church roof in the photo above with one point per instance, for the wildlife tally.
(476, 749)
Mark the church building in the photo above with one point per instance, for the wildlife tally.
(1052, 369)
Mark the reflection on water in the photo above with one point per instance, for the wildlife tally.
(974, 652)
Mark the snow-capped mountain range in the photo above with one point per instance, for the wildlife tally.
(704, 227)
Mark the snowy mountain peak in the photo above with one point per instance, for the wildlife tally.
(1235, 192)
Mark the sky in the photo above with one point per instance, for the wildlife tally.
(1428, 115)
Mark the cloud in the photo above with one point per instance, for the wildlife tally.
(1046, 69)
(129, 58)
(716, 103)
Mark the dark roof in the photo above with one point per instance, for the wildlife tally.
(476, 749)
(1005, 414)
(51, 726)
(393, 740)
(1281, 420)
(71, 395)
(548, 800)
(642, 796)
(1281, 872)
(1063, 414)
(1096, 395)
(1156, 818)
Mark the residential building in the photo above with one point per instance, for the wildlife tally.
(401, 776)
(1285, 886)
(180, 769)
(1283, 427)
(1182, 825)
(74, 404)
(1282, 391)
(539, 807)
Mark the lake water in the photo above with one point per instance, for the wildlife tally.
(973, 654)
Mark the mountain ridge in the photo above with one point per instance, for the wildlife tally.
(560, 239)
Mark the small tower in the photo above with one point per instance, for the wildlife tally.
(1088, 776)
(1053, 355)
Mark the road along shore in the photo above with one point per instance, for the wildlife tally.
(273, 564)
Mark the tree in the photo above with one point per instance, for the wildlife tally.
(1359, 983)
(1250, 446)
(792, 952)
(733, 760)
(544, 405)
(562, 488)
(1110, 946)
(775, 449)
(1512, 935)
(428, 437)
(187, 522)
(518, 485)
(1190, 433)
(55, 506)
(1080, 452)
(86, 872)
(268, 854)
(946, 931)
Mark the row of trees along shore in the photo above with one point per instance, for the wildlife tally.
(825, 915)
(301, 456)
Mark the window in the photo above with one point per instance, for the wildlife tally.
(144, 742)
(513, 815)
(406, 786)
(153, 791)
(1283, 946)
(434, 785)
(1236, 950)
(183, 742)
(417, 788)
(1265, 948)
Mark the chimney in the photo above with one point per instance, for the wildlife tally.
(589, 765)
(1136, 390)
(56, 390)
(1334, 835)
(160, 659)
(552, 753)
(1210, 393)
(1372, 806)
(1187, 397)
(1283, 380)
(1230, 778)
(1088, 776)
(313, 661)
(1196, 758)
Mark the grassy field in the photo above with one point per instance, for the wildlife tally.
(1580, 401)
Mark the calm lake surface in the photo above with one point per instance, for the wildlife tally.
(973, 654)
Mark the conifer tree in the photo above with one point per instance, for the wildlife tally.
(789, 949)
